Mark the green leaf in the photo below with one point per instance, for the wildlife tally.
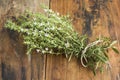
(115, 50)
(113, 43)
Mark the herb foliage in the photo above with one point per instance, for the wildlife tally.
(54, 34)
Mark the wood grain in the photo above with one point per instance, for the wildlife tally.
(14, 63)
(108, 25)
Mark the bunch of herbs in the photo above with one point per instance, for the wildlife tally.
(54, 34)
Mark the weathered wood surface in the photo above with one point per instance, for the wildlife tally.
(58, 68)
(14, 63)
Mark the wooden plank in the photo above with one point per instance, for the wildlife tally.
(0, 61)
(14, 63)
(68, 7)
(8, 59)
(56, 67)
(0, 66)
(73, 70)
